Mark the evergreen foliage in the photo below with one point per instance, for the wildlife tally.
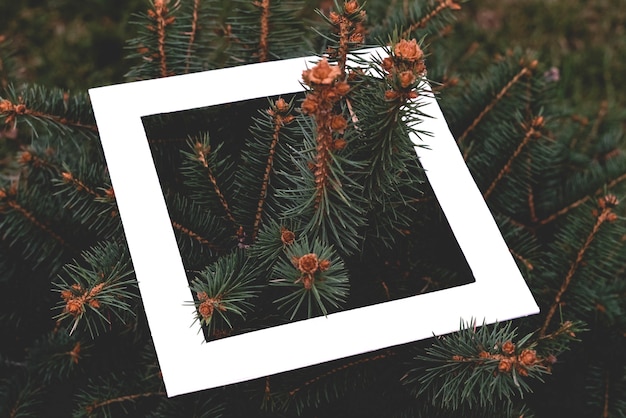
(298, 206)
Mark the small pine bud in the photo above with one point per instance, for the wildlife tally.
(287, 236)
(505, 365)
(508, 347)
(528, 357)
(308, 263)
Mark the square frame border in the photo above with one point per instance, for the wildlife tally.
(187, 362)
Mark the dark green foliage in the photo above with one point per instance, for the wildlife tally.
(274, 227)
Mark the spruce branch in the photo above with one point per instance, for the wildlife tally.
(21, 397)
(424, 21)
(265, 156)
(477, 368)
(585, 199)
(50, 110)
(279, 113)
(9, 201)
(532, 132)
(192, 34)
(224, 293)
(348, 31)
(315, 380)
(264, 5)
(605, 214)
(315, 278)
(98, 291)
(108, 396)
(200, 234)
(263, 30)
(526, 70)
(57, 357)
(201, 166)
(322, 193)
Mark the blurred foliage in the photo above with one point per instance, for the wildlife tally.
(80, 44)
(67, 43)
(584, 39)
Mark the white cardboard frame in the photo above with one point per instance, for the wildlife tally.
(187, 362)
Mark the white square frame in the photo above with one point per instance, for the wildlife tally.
(187, 362)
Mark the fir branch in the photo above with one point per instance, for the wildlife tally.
(443, 5)
(341, 368)
(104, 287)
(522, 259)
(609, 186)
(200, 234)
(28, 158)
(224, 293)
(162, 18)
(606, 214)
(11, 111)
(532, 132)
(264, 5)
(526, 70)
(91, 408)
(191, 234)
(279, 113)
(192, 34)
(477, 368)
(80, 186)
(8, 198)
(205, 155)
(35, 105)
(315, 278)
